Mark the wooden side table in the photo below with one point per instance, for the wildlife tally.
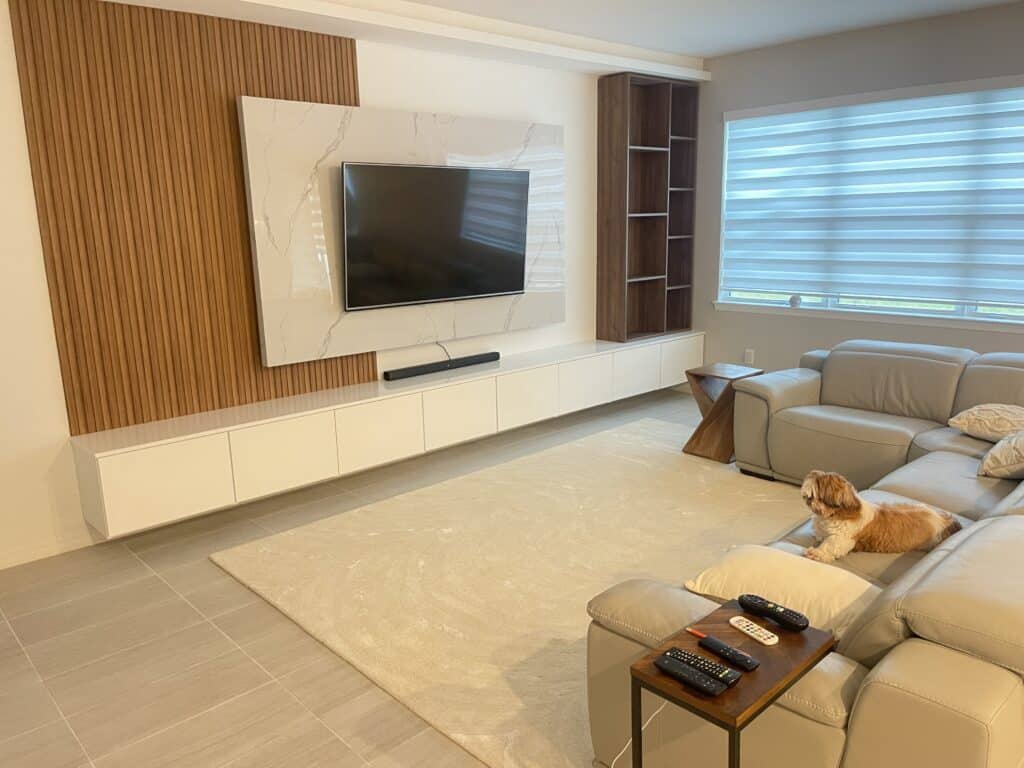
(711, 386)
(781, 666)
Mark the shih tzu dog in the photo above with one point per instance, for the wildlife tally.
(844, 522)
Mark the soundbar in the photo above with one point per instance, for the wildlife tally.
(440, 365)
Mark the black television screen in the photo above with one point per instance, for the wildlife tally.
(416, 234)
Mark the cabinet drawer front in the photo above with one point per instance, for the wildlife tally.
(527, 396)
(637, 370)
(459, 413)
(378, 433)
(678, 356)
(157, 485)
(584, 383)
(270, 458)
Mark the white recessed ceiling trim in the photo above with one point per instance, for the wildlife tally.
(431, 28)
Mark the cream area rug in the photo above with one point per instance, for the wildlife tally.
(466, 600)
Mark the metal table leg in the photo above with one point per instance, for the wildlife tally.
(734, 749)
(637, 723)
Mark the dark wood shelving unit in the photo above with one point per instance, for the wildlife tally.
(647, 152)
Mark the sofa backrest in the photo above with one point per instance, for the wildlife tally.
(916, 380)
(997, 377)
(967, 594)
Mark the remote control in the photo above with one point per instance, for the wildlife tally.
(723, 650)
(756, 631)
(784, 617)
(704, 664)
(687, 675)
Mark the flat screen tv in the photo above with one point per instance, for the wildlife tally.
(416, 234)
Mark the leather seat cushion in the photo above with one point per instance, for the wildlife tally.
(948, 439)
(862, 445)
(877, 567)
(948, 481)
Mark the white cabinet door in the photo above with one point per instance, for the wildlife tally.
(273, 457)
(378, 433)
(164, 483)
(459, 413)
(527, 396)
(584, 383)
(679, 355)
(637, 370)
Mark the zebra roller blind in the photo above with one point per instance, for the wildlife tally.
(911, 206)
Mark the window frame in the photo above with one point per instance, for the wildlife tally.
(959, 316)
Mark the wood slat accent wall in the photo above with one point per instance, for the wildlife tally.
(133, 134)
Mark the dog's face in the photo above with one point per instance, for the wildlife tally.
(828, 494)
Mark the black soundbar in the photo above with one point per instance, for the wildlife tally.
(440, 365)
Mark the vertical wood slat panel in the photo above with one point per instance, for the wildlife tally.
(132, 124)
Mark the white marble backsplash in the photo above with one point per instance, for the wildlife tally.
(293, 156)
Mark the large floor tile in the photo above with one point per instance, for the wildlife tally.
(93, 609)
(177, 553)
(373, 723)
(309, 512)
(326, 684)
(271, 638)
(25, 703)
(209, 588)
(45, 583)
(187, 529)
(124, 674)
(264, 728)
(88, 644)
(428, 749)
(113, 723)
(51, 746)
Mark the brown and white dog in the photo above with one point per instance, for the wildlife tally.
(844, 522)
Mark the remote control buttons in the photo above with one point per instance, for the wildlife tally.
(756, 631)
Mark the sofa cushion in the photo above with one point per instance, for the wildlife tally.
(879, 568)
(1012, 504)
(948, 439)
(1006, 459)
(948, 481)
(993, 378)
(647, 611)
(862, 445)
(915, 380)
(827, 693)
(971, 601)
(990, 421)
(881, 627)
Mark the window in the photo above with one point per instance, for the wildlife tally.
(909, 206)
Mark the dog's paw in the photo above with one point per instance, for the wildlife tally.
(817, 555)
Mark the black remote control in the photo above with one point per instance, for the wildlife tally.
(703, 664)
(687, 675)
(734, 656)
(786, 618)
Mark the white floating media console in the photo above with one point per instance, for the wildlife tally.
(153, 474)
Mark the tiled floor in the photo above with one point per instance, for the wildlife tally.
(141, 652)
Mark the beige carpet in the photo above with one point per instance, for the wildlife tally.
(466, 600)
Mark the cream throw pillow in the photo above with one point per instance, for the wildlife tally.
(1006, 459)
(829, 597)
(991, 421)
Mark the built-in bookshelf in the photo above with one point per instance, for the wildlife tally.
(647, 159)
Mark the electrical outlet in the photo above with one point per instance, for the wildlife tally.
(748, 356)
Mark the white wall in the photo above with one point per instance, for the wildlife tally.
(39, 508)
(959, 47)
(393, 77)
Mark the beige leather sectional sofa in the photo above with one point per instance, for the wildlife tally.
(930, 673)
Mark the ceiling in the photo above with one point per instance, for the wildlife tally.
(705, 27)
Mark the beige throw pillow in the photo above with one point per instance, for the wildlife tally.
(1006, 459)
(992, 421)
(829, 597)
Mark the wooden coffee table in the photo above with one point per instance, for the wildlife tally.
(711, 386)
(781, 666)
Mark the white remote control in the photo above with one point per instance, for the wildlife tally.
(756, 631)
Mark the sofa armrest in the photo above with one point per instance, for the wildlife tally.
(815, 359)
(783, 389)
(826, 693)
(647, 611)
(925, 704)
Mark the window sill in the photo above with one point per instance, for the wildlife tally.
(932, 321)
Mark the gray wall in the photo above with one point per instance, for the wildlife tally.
(966, 46)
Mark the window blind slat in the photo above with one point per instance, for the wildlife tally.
(896, 201)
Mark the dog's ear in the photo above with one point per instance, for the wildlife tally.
(838, 492)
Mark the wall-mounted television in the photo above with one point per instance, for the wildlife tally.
(416, 234)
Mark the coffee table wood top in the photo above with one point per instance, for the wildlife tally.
(781, 666)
